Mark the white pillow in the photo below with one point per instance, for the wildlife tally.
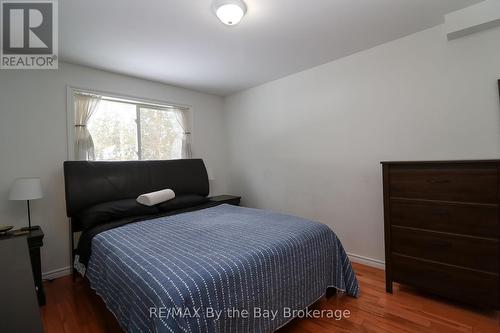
(154, 198)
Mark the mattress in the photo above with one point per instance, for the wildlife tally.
(220, 269)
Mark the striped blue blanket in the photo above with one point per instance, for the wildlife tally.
(221, 269)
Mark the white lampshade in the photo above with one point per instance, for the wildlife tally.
(26, 189)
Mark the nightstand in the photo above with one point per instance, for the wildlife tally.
(35, 242)
(228, 199)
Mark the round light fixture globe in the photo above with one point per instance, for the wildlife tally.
(230, 12)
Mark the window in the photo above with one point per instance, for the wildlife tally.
(121, 130)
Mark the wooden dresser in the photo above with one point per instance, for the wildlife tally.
(442, 228)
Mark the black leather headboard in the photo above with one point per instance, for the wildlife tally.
(89, 183)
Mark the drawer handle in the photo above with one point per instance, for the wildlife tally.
(439, 181)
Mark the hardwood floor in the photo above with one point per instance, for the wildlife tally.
(73, 308)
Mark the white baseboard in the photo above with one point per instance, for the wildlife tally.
(380, 264)
(50, 275)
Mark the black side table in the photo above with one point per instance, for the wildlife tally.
(35, 242)
(228, 199)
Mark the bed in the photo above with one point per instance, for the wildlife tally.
(197, 267)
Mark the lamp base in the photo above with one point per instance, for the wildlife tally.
(30, 228)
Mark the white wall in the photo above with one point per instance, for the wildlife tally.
(310, 144)
(33, 140)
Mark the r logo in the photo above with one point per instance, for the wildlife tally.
(27, 27)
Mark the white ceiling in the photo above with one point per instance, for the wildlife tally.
(181, 42)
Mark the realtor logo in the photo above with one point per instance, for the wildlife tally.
(29, 34)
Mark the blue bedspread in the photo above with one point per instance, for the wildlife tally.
(202, 271)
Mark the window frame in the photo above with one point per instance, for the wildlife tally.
(137, 101)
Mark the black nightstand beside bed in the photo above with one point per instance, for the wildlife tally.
(228, 199)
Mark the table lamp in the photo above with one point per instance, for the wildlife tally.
(26, 189)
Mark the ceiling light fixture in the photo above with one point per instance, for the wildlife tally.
(230, 12)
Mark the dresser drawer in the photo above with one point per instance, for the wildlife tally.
(461, 284)
(468, 252)
(458, 182)
(471, 220)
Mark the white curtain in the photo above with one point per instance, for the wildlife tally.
(183, 120)
(85, 106)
